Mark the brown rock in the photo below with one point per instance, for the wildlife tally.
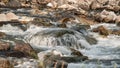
(95, 5)
(13, 4)
(117, 20)
(4, 46)
(2, 34)
(102, 30)
(116, 32)
(25, 48)
(107, 16)
(4, 63)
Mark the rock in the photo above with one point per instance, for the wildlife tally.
(116, 32)
(66, 6)
(2, 34)
(41, 22)
(11, 16)
(74, 59)
(117, 20)
(3, 17)
(17, 54)
(4, 46)
(25, 48)
(76, 52)
(4, 63)
(107, 16)
(101, 30)
(13, 4)
(95, 5)
(91, 40)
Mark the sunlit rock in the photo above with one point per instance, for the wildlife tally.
(3, 17)
(11, 16)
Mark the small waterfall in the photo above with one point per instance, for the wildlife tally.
(57, 37)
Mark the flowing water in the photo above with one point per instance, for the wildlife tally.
(104, 54)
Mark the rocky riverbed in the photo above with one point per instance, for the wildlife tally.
(59, 33)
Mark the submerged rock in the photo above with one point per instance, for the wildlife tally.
(101, 30)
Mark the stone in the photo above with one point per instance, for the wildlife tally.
(25, 48)
(66, 6)
(13, 4)
(116, 32)
(117, 20)
(5, 63)
(17, 54)
(101, 30)
(41, 22)
(2, 35)
(95, 5)
(11, 16)
(4, 46)
(107, 16)
(3, 17)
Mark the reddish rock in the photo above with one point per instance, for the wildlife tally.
(4, 63)
(102, 30)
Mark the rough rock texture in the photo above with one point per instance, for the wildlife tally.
(4, 46)
(4, 63)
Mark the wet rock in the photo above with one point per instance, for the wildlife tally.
(116, 32)
(5, 63)
(4, 46)
(74, 59)
(25, 48)
(41, 22)
(17, 54)
(2, 34)
(11, 16)
(91, 40)
(101, 30)
(76, 52)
